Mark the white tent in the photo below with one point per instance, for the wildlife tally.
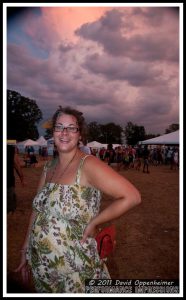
(95, 144)
(41, 141)
(28, 142)
(113, 145)
(165, 139)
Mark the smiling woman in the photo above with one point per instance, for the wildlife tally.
(60, 245)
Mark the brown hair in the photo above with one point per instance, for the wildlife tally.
(73, 112)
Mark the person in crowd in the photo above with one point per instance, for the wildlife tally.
(126, 158)
(132, 155)
(13, 164)
(84, 148)
(40, 151)
(44, 153)
(29, 149)
(119, 157)
(146, 159)
(107, 155)
(60, 247)
(33, 159)
(175, 159)
(111, 154)
(139, 154)
(169, 155)
(102, 153)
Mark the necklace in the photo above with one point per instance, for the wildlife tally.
(65, 169)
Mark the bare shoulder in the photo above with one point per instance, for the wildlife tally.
(98, 174)
(92, 162)
(95, 169)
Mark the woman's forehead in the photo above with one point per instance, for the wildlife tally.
(66, 118)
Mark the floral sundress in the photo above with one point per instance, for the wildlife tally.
(60, 264)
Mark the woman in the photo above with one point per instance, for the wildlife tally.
(60, 245)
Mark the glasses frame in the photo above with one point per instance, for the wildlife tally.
(69, 129)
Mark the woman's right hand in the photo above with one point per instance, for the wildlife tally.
(24, 268)
(90, 231)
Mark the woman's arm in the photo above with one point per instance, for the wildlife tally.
(98, 174)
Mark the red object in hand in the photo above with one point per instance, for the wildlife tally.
(106, 241)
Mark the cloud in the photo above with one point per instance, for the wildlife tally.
(115, 65)
(139, 47)
(114, 68)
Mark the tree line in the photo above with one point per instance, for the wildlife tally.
(23, 116)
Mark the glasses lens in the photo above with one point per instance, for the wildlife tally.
(72, 129)
(58, 128)
(61, 128)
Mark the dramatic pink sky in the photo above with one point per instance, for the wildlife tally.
(115, 64)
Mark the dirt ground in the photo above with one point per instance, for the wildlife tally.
(147, 237)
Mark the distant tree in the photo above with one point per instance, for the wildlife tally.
(104, 133)
(172, 128)
(134, 133)
(110, 133)
(22, 116)
(94, 132)
(151, 136)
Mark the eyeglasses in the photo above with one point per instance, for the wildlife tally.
(61, 128)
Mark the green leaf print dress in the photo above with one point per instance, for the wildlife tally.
(60, 264)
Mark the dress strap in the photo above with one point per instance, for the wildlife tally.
(45, 168)
(78, 176)
(48, 165)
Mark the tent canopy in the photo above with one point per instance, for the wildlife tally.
(165, 139)
(41, 141)
(95, 144)
(28, 142)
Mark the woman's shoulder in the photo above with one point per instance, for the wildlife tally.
(92, 162)
(89, 158)
(99, 174)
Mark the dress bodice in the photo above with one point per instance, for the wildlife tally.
(72, 201)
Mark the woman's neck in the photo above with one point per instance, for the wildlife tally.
(67, 156)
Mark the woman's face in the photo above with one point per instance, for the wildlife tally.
(66, 133)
